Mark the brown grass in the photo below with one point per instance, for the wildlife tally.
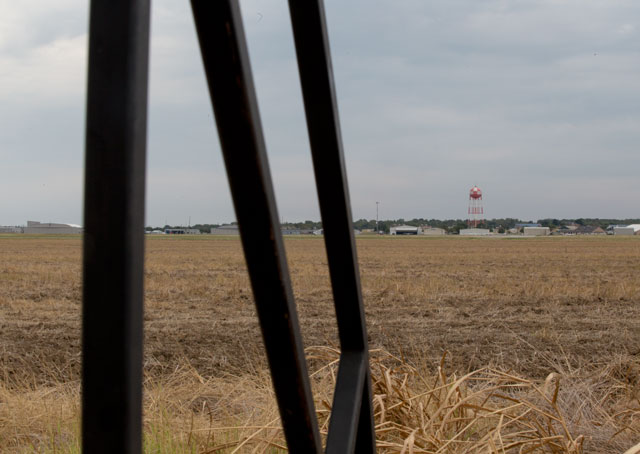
(495, 411)
(509, 312)
(416, 411)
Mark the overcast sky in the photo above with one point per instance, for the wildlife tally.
(537, 102)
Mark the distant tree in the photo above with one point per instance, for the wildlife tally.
(547, 223)
(384, 226)
(449, 225)
(459, 226)
(362, 224)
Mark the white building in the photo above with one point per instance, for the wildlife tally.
(182, 231)
(433, 231)
(226, 230)
(624, 231)
(11, 229)
(405, 230)
(474, 232)
(42, 228)
(635, 227)
(536, 231)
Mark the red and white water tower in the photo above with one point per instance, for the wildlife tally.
(476, 210)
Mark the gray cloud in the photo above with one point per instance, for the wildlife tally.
(535, 101)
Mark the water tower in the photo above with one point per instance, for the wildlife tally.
(476, 210)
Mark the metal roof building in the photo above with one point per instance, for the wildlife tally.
(226, 230)
(623, 231)
(48, 228)
(11, 229)
(405, 230)
(433, 231)
(474, 232)
(536, 231)
(182, 231)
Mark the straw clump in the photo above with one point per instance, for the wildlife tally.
(495, 411)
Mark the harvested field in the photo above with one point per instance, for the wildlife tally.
(525, 304)
(529, 305)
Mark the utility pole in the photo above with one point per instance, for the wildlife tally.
(377, 229)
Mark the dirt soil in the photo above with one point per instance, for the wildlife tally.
(533, 305)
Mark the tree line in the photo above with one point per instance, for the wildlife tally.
(449, 225)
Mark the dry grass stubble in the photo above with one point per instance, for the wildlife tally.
(509, 311)
(416, 411)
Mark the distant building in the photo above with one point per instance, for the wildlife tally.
(474, 232)
(432, 231)
(49, 228)
(405, 230)
(595, 230)
(536, 231)
(635, 227)
(528, 224)
(234, 230)
(610, 228)
(582, 230)
(623, 231)
(296, 231)
(226, 230)
(563, 229)
(181, 231)
(11, 229)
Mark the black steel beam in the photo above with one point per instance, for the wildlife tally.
(113, 245)
(314, 64)
(226, 63)
(326, 147)
(347, 402)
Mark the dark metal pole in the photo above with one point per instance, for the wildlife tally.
(314, 64)
(348, 400)
(113, 246)
(226, 62)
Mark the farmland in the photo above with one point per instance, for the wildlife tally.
(527, 305)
